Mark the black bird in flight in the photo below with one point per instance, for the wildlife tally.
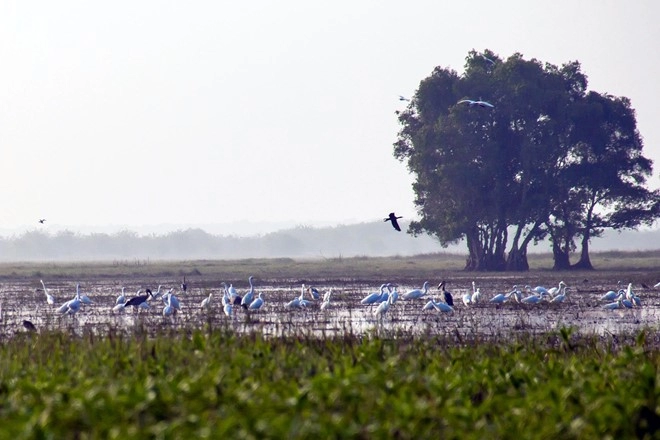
(42, 220)
(392, 218)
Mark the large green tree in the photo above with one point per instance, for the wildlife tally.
(519, 167)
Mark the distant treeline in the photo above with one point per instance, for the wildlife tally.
(369, 239)
(373, 239)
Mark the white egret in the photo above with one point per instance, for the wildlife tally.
(83, 298)
(121, 299)
(609, 296)
(206, 302)
(417, 293)
(173, 300)
(303, 302)
(294, 303)
(559, 298)
(629, 292)
(467, 299)
(326, 299)
(382, 308)
(613, 306)
(534, 298)
(556, 290)
(442, 307)
(50, 299)
(228, 309)
(374, 297)
(498, 299)
(249, 297)
(656, 285)
(168, 310)
(257, 303)
(478, 103)
(488, 60)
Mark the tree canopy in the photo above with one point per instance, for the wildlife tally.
(517, 147)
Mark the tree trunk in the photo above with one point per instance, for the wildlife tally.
(585, 261)
(475, 258)
(517, 260)
(561, 257)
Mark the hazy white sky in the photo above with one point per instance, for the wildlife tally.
(154, 112)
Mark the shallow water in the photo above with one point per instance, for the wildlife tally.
(582, 310)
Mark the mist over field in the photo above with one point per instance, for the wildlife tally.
(363, 239)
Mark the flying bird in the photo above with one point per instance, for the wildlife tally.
(393, 218)
(479, 103)
(488, 60)
(403, 98)
(42, 220)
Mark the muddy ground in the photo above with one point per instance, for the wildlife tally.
(21, 299)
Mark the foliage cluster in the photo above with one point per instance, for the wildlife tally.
(544, 158)
(214, 384)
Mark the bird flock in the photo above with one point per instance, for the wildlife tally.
(378, 302)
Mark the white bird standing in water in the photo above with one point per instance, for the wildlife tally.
(417, 293)
(382, 308)
(374, 297)
(257, 303)
(121, 299)
(168, 310)
(326, 299)
(206, 303)
(249, 297)
(50, 299)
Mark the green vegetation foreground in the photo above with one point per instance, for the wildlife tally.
(212, 383)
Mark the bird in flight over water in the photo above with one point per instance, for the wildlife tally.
(42, 220)
(392, 218)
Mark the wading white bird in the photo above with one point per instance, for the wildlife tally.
(249, 297)
(168, 310)
(610, 295)
(613, 306)
(561, 297)
(83, 298)
(556, 290)
(49, 298)
(326, 299)
(498, 299)
(374, 297)
(417, 293)
(172, 300)
(257, 303)
(121, 299)
(206, 303)
(382, 308)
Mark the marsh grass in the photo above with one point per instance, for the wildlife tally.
(213, 383)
